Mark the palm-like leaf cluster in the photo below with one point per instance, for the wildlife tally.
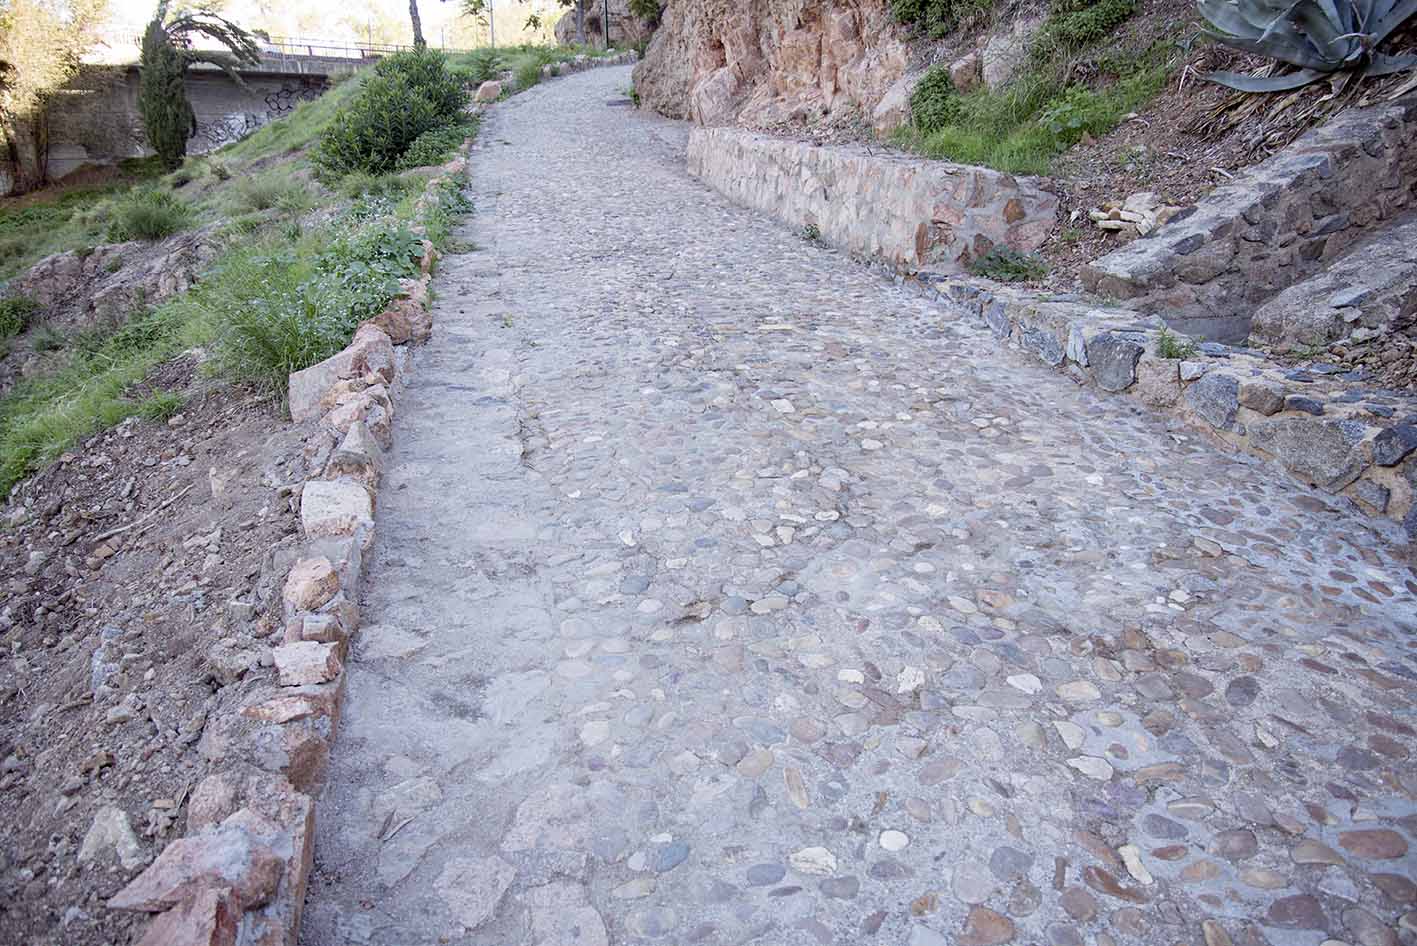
(1319, 37)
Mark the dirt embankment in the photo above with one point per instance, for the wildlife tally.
(141, 575)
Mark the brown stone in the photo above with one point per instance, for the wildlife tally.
(1379, 844)
(1300, 912)
(311, 583)
(984, 927)
(1104, 883)
(307, 662)
(236, 855)
(1395, 887)
(207, 918)
(1079, 904)
(1315, 852)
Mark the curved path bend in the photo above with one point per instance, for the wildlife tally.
(726, 593)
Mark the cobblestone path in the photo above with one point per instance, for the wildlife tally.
(726, 593)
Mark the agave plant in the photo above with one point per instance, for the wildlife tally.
(1320, 37)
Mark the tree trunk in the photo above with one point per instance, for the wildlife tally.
(25, 142)
(580, 22)
(417, 24)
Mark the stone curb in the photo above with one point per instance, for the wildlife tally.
(240, 872)
(1318, 424)
(581, 63)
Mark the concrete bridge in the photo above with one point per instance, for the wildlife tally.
(95, 121)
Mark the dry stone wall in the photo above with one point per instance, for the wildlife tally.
(908, 212)
(239, 874)
(1206, 271)
(1327, 428)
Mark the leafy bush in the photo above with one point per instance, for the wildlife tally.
(434, 146)
(278, 313)
(1008, 265)
(1076, 24)
(15, 315)
(478, 66)
(938, 17)
(934, 103)
(148, 213)
(426, 70)
(650, 10)
(409, 93)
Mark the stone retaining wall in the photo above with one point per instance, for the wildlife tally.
(908, 212)
(1278, 222)
(240, 872)
(1323, 428)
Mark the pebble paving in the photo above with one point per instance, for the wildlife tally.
(726, 593)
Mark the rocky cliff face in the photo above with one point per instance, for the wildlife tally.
(762, 63)
(625, 28)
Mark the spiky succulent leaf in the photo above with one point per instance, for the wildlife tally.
(1390, 16)
(1244, 83)
(1318, 36)
(1385, 65)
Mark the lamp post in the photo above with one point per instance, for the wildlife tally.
(607, 24)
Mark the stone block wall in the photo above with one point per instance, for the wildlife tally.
(905, 211)
(1325, 429)
(1205, 272)
(96, 120)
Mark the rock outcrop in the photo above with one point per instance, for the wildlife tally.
(625, 28)
(759, 63)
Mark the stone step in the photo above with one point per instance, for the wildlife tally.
(1366, 294)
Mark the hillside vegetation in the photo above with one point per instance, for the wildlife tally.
(304, 250)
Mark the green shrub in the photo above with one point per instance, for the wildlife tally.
(650, 10)
(160, 405)
(263, 193)
(426, 70)
(409, 93)
(219, 171)
(16, 312)
(477, 67)
(277, 315)
(1008, 265)
(148, 213)
(1076, 24)
(938, 17)
(47, 338)
(1170, 346)
(934, 103)
(434, 146)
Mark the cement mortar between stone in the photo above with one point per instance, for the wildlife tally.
(724, 592)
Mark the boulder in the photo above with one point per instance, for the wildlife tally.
(237, 856)
(1326, 453)
(489, 91)
(207, 918)
(1113, 361)
(965, 72)
(1006, 50)
(310, 584)
(307, 662)
(1215, 399)
(335, 508)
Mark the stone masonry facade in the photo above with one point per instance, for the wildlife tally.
(1274, 225)
(905, 211)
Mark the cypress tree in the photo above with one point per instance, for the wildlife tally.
(167, 113)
